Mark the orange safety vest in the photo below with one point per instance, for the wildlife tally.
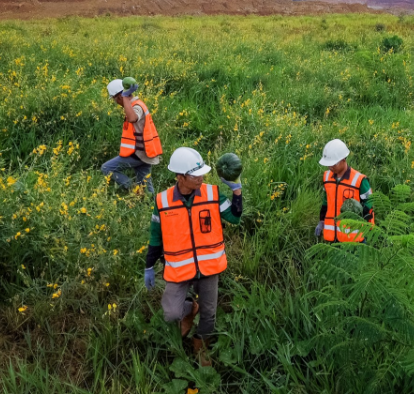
(192, 237)
(148, 141)
(336, 194)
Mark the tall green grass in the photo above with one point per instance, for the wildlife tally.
(294, 317)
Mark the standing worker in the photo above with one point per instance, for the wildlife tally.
(186, 228)
(341, 182)
(140, 143)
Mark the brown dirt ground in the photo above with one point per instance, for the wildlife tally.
(35, 9)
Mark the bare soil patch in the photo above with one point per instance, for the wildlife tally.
(35, 9)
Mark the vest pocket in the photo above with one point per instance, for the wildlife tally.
(205, 221)
(348, 193)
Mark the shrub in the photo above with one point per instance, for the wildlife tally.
(380, 27)
(336, 45)
(393, 43)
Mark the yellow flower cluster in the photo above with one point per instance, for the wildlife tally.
(40, 150)
(278, 191)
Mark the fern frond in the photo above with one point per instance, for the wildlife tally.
(368, 331)
(397, 223)
(400, 194)
(368, 256)
(371, 283)
(382, 205)
(407, 207)
(408, 363)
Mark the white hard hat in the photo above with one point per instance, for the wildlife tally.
(333, 153)
(114, 87)
(188, 161)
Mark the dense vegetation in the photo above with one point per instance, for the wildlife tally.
(295, 315)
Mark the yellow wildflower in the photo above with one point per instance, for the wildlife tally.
(11, 181)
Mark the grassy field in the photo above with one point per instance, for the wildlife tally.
(295, 315)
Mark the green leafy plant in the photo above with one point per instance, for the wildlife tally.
(363, 300)
(393, 43)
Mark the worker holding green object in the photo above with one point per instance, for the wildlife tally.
(341, 182)
(186, 230)
(140, 144)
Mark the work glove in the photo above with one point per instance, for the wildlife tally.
(233, 185)
(319, 229)
(132, 89)
(149, 278)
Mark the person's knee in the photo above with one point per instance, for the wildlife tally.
(104, 169)
(171, 315)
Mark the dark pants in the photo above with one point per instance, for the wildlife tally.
(119, 164)
(176, 307)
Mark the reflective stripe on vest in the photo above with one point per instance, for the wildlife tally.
(345, 230)
(336, 194)
(209, 192)
(192, 237)
(191, 260)
(147, 141)
(164, 199)
(128, 146)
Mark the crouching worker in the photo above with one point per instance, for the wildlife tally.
(140, 143)
(186, 229)
(341, 182)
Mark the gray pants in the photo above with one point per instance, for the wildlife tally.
(176, 307)
(119, 164)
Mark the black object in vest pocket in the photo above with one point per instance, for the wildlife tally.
(205, 221)
(348, 193)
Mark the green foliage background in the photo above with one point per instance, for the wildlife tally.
(293, 316)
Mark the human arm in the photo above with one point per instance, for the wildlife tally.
(130, 115)
(324, 207)
(322, 215)
(155, 249)
(231, 211)
(365, 193)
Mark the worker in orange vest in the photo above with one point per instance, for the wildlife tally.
(186, 229)
(341, 182)
(140, 144)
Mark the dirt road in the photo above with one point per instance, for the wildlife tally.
(28, 9)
